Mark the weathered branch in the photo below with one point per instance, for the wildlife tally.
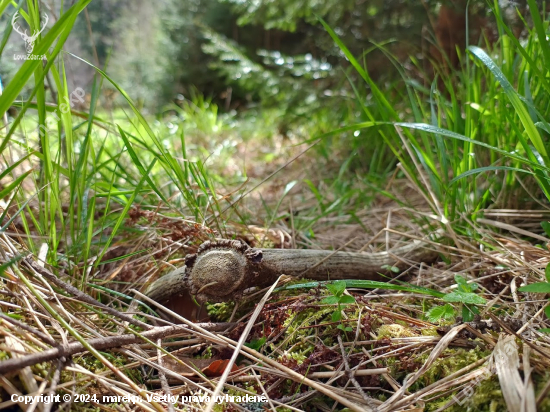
(222, 270)
(108, 342)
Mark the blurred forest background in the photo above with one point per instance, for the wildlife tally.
(274, 54)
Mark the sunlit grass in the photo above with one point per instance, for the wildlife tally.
(467, 139)
(83, 172)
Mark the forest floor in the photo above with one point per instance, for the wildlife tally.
(448, 335)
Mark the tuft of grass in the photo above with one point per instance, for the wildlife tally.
(73, 177)
(470, 140)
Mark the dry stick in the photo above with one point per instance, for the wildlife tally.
(162, 377)
(240, 389)
(180, 378)
(511, 332)
(325, 375)
(46, 338)
(259, 383)
(9, 387)
(512, 228)
(25, 374)
(176, 379)
(87, 375)
(370, 242)
(493, 301)
(233, 266)
(31, 311)
(351, 377)
(10, 365)
(120, 389)
(532, 319)
(83, 296)
(100, 377)
(297, 398)
(542, 395)
(333, 390)
(198, 327)
(35, 403)
(24, 335)
(528, 401)
(54, 382)
(462, 386)
(240, 344)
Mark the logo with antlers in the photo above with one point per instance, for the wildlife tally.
(29, 40)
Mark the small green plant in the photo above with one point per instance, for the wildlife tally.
(464, 294)
(256, 344)
(394, 269)
(540, 287)
(338, 298)
(437, 313)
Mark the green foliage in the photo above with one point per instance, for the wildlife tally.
(437, 313)
(73, 182)
(391, 268)
(285, 15)
(257, 344)
(338, 298)
(369, 284)
(467, 140)
(486, 395)
(465, 296)
(87, 173)
(275, 79)
(452, 360)
(546, 227)
(540, 287)
(297, 329)
(299, 86)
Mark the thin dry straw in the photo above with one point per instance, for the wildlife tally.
(240, 344)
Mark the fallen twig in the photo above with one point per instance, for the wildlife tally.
(351, 376)
(14, 364)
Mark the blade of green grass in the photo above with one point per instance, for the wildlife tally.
(368, 284)
(122, 215)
